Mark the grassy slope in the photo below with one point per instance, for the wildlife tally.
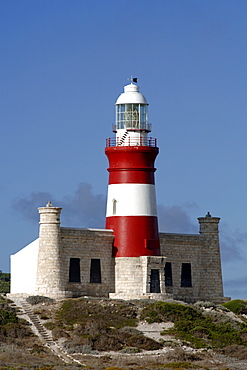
(90, 325)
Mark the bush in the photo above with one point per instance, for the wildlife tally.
(142, 342)
(130, 350)
(49, 325)
(205, 304)
(4, 282)
(221, 318)
(7, 317)
(237, 306)
(80, 311)
(163, 312)
(131, 330)
(200, 329)
(180, 365)
(85, 348)
(35, 299)
(239, 352)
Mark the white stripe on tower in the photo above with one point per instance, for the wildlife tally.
(131, 200)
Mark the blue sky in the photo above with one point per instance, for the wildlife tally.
(63, 65)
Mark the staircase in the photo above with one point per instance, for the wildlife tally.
(39, 329)
(43, 333)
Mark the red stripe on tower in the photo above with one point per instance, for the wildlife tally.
(131, 202)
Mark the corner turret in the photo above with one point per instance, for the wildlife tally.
(48, 280)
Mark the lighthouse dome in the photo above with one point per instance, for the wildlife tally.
(131, 95)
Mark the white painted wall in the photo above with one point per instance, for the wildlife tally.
(131, 200)
(23, 266)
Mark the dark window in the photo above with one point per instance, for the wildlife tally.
(95, 271)
(155, 281)
(186, 275)
(74, 270)
(168, 274)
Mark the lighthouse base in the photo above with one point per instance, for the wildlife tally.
(140, 278)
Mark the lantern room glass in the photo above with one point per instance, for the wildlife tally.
(132, 116)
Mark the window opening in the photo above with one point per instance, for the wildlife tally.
(114, 206)
(186, 275)
(168, 274)
(95, 271)
(74, 270)
(155, 281)
(132, 116)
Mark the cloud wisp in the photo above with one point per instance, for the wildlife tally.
(86, 209)
(175, 219)
(82, 209)
(233, 244)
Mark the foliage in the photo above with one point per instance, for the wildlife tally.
(102, 325)
(79, 311)
(130, 350)
(237, 306)
(10, 326)
(7, 316)
(4, 282)
(192, 326)
(36, 299)
(49, 325)
(163, 311)
(180, 365)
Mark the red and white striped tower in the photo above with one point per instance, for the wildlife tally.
(131, 202)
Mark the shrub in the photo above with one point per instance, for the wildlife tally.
(179, 365)
(221, 318)
(80, 311)
(130, 350)
(190, 325)
(85, 348)
(49, 325)
(7, 316)
(163, 312)
(4, 282)
(35, 299)
(237, 306)
(237, 351)
(142, 342)
(131, 330)
(205, 304)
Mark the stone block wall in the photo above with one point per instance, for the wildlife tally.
(178, 249)
(202, 252)
(87, 244)
(133, 277)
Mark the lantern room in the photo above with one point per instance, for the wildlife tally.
(132, 125)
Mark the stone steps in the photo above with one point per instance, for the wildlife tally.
(43, 333)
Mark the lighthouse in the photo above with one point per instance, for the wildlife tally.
(131, 201)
